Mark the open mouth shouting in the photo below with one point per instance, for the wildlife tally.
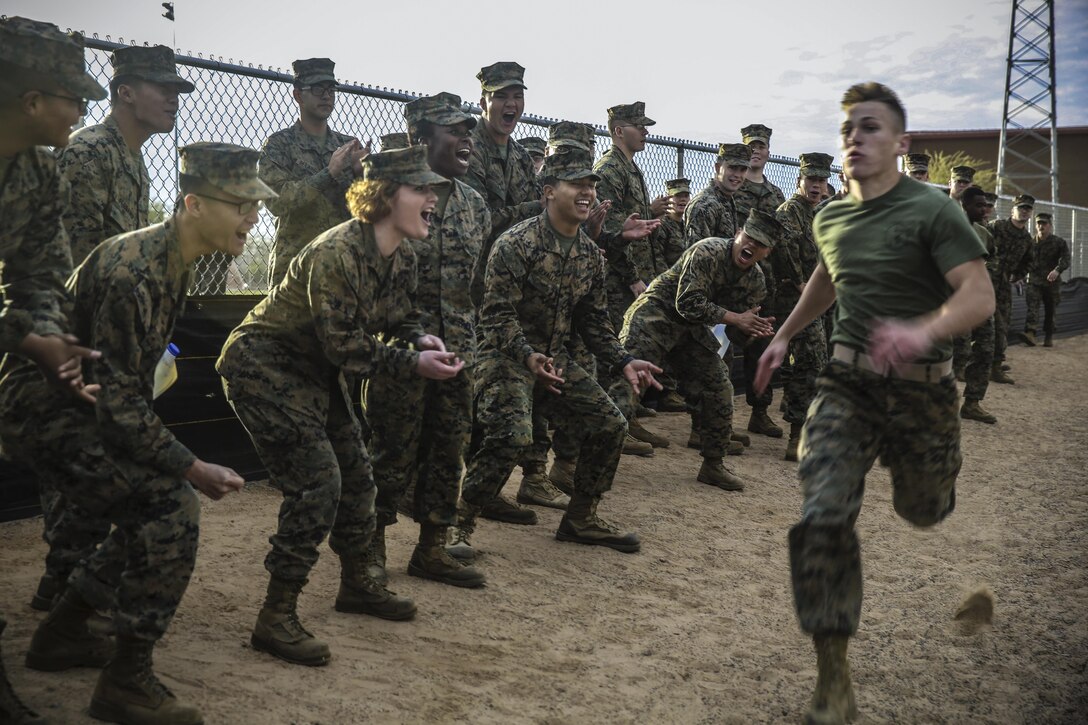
(464, 153)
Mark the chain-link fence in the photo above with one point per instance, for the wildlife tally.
(243, 104)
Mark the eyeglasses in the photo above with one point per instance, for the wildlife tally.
(80, 102)
(245, 208)
(325, 89)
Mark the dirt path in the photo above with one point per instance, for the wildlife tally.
(699, 627)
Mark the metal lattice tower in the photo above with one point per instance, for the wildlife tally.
(1028, 156)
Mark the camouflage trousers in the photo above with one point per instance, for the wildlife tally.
(961, 352)
(856, 417)
(321, 467)
(142, 568)
(419, 430)
(980, 362)
(620, 298)
(750, 349)
(807, 357)
(74, 535)
(565, 444)
(507, 395)
(1050, 295)
(650, 334)
(1002, 315)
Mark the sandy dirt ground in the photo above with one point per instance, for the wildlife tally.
(697, 628)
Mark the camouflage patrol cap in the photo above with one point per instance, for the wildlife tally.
(43, 49)
(632, 113)
(504, 74)
(403, 166)
(764, 228)
(391, 141)
(534, 145)
(1043, 216)
(917, 162)
(677, 186)
(756, 132)
(734, 154)
(572, 165)
(227, 167)
(154, 63)
(1024, 200)
(314, 70)
(441, 109)
(572, 134)
(963, 173)
(816, 164)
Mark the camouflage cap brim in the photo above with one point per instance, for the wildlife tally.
(423, 178)
(817, 172)
(499, 85)
(249, 189)
(169, 79)
(85, 86)
(451, 117)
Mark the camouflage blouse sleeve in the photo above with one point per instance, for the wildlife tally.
(612, 187)
(694, 293)
(276, 170)
(335, 294)
(1065, 259)
(506, 268)
(33, 278)
(785, 260)
(613, 244)
(90, 180)
(594, 325)
(699, 222)
(122, 321)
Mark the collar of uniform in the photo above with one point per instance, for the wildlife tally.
(551, 238)
(114, 130)
(307, 140)
(22, 176)
(175, 262)
(372, 256)
(725, 198)
(628, 163)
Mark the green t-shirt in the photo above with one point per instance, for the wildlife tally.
(887, 258)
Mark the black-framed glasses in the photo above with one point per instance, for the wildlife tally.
(80, 102)
(323, 89)
(245, 208)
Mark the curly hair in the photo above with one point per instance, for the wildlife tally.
(370, 200)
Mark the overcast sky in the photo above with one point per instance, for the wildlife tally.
(704, 67)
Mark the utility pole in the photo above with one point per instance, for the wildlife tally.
(1028, 155)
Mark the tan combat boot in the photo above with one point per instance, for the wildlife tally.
(278, 631)
(503, 509)
(671, 402)
(833, 702)
(973, 410)
(794, 442)
(636, 431)
(581, 525)
(761, 423)
(743, 438)
(361, 594)
(562, 474)
(1029, 338)
(695, 440)
(63, 639)
(634, 447)
(430, 560)
(998, 375)
(537, 490)
(714, 473)
(374, 557)
(12, 709)
(129, 692)
(459, 535)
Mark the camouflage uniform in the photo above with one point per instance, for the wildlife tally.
(981, 339)
(116, 460)
(285, 368)
(1012, 246)
(393, 141)
(110, 187)
(1046, 255)
(296, 165)
(713, 212)
(792, 263)
(623, 183)
(535, 298)
(671, 322)
(420, 428)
